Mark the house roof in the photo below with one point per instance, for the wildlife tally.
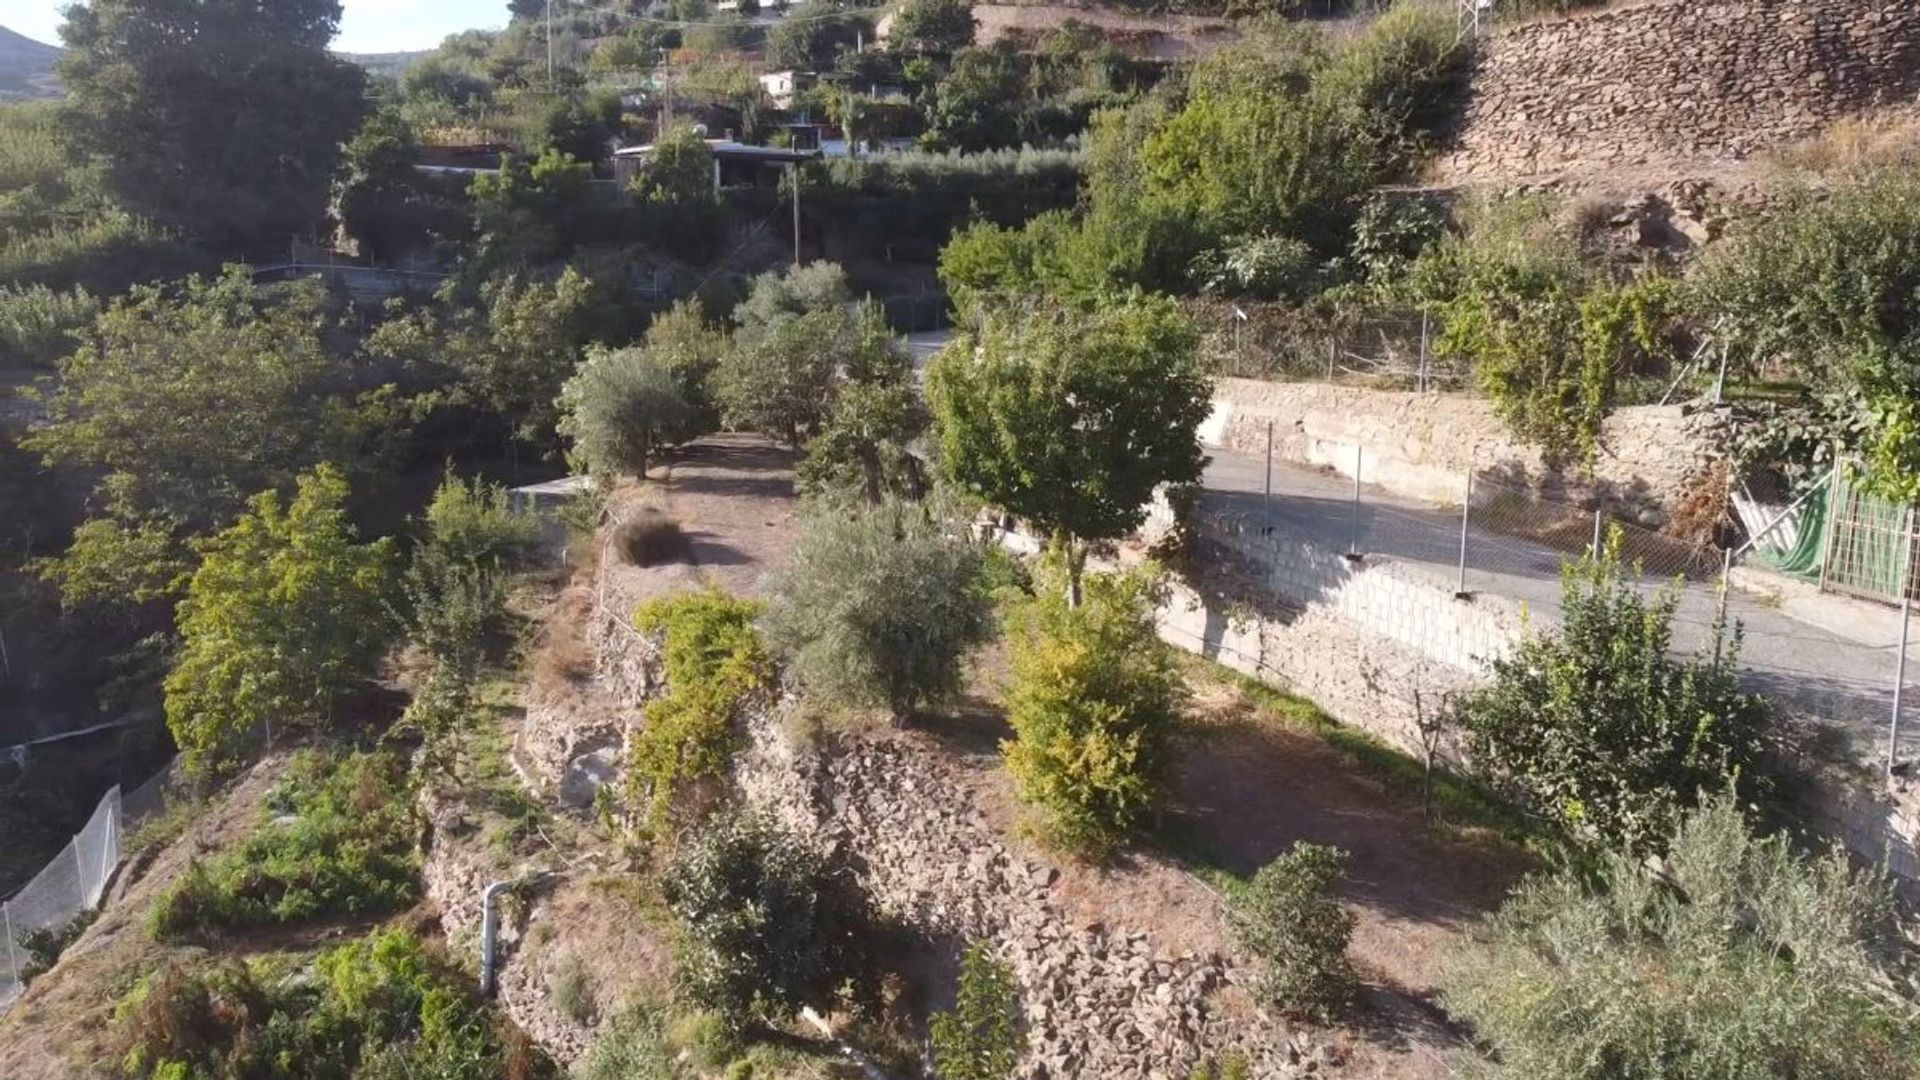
(727, 148)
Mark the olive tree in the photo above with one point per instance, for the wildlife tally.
(620, 407)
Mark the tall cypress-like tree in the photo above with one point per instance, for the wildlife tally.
(222, 118)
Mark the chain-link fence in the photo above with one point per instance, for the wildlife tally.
(1380, 348)
(1835, 663)
(35, 919)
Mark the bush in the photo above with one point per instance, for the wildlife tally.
(880, 607)
(1596, 728)
(1289, 918)
(572, 988)
(630, 1047)
(1732, 959)
(714, 663)
(348, 848)
(979, 1038)
(770, 926)
(37, 324)
(1093, 701)
(44, 946)
(384, 1007)
(620, 407)
(650, 538)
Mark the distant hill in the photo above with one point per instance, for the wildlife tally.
(391, 63)
(26, 68)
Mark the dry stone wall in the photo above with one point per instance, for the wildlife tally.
(1652, 458)
(1680, 80)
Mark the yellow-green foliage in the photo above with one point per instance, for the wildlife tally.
(1093, 702)
(714, 663)
(339, 840)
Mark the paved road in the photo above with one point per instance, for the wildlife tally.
(1845, 679)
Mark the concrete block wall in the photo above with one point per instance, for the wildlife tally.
(1422, 445)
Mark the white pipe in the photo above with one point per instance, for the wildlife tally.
(489, 933)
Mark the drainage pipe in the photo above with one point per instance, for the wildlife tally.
(489, 932)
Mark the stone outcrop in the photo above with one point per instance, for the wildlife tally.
(1099, 1000)
(1680, 80)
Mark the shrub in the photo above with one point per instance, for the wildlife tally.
(880, 607)
(1733, 958)
(339, 840)
(650, 538)
(383, 1007)
(572, 988)
(1093, 701)
(1289, 918)
(44, 946)
(1597, 728)
(620, 407)
(37, 324)
(714, 663)
(979, 1038)
(630, 1047)
(770, 926)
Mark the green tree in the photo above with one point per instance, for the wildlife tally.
(770, 926)
(683, 342)
(1596, 727)
(979, 1038)
(530, 214)
(531, 338)
(795, 333)
(1071, 419)
(932, 27)
(1093, 702)
(620, 407)
(38, 325)
(224, 120)
(875, 417)
(812, 41)
(1829, 285)
(1731, 959)
(977, 106)
(1289, 918)
(678, 172)
(454, 593)
(284, 617)
(880, 607)
(377, 195)
(715, 665)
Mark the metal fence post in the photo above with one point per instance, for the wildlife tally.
(1900, 665)
(1831, 519)
(1720, 621)
(1599, 514)
(1466, 513)
(1267, 506)
(13, 954)
(1353, 542)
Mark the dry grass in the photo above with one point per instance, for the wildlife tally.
(1858, 144)
(562, 656)
(650, 538)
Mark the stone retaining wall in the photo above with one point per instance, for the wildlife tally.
(1652, 458)
(1677, 80)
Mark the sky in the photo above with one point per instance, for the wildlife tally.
(369, 25)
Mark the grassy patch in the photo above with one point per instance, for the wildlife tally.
(339, 840)
(387, 1005)
(1459, 802)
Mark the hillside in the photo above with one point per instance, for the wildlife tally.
(26, 68)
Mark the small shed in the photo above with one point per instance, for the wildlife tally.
(735, 164)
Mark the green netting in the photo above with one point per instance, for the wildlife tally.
(1870, 551)
(1809, 543)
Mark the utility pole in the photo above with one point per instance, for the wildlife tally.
(793, 181)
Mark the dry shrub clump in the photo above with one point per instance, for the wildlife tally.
(650, 538)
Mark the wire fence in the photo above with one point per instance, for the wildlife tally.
(36, 920)
(1841, 667)
(1380, 348)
